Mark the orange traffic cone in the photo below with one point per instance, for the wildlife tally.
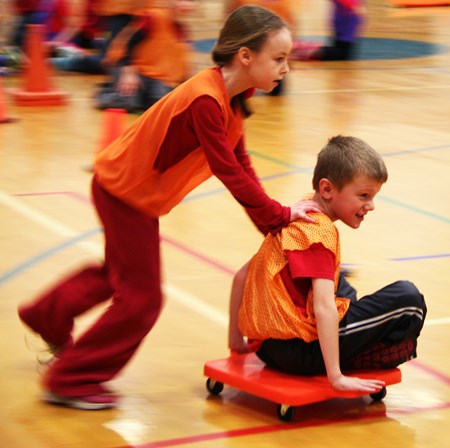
(3, 114)
(37, 89)
(113, 127)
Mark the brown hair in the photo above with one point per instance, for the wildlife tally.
(343, 158)
(247, 26)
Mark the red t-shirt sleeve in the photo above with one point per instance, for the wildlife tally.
(315, 262)
(233, 168)
(303, 265)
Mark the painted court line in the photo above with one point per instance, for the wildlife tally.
(251, 431)
(208, 311)
(183, 297)
(45, 221)
(30, 262)
(441, 321)
(374, 89)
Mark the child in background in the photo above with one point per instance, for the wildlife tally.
(155, 65)
(53, 14)
(109, 17)
(285, 9)
(81, 48)
(10, 57)
(192, 133)
(346, 22)
(298, 313)
(17, 15)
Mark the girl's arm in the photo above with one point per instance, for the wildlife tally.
(299, 210)
(233, 168)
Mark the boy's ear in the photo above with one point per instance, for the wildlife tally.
(326, 188)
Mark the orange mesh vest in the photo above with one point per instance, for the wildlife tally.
(267, 311)
(282, 8)
(125, 168)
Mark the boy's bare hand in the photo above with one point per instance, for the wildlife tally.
(238, 345)
(355, 384)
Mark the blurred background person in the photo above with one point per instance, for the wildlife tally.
(346, 22)
(7, 57)
(159, 59)
(53, 15)
(98, 23)
(82, 47)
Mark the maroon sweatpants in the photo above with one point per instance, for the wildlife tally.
(130, 277)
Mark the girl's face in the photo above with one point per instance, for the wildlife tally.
(268, 67)
(354, 201)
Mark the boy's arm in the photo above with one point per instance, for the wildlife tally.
(236, 341)
(328, 330)
(326, 315)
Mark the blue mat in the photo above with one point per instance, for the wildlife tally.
(369, 48)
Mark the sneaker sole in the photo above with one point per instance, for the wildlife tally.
(74, 403)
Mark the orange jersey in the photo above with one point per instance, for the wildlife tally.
(267, 311)
(163, 55)
(115, 7)
(126, 168)
(282, 8)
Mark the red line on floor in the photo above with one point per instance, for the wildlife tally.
(430, 371)
(251, 431)
(269, 428)
(199, 438)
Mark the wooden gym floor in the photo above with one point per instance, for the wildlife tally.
(400, 105)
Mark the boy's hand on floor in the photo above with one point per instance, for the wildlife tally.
(355, 384)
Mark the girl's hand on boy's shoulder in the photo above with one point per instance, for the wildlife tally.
(301, 209)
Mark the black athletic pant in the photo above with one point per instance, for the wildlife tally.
(338, 50)
(379, 331)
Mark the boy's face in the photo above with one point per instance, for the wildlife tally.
(354, 201)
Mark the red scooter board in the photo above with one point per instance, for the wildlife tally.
(248, 373)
